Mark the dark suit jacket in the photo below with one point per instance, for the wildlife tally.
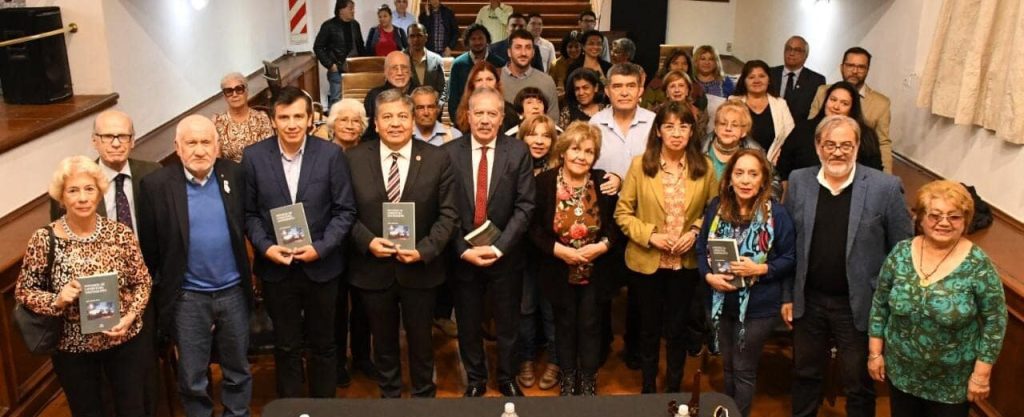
(803, 92)
(139, 170)
(430, 183)
(552, 272)
(451, 26)
(164, 227)
(434, 77)
(370, 105)
(878, 220)
(510, 193)
(324, 189)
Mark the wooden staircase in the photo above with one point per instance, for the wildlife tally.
(560, 17)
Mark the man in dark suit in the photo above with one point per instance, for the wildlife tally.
(847, 217)
(113, 137)
(193, 218)
(300, 285)
(398, 281)
(794, 82)
(427, 66)
(495, 177)
(397, 75)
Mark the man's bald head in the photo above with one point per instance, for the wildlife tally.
(113, 136)
(398, 69)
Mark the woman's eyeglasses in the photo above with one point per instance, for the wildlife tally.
(229, 91)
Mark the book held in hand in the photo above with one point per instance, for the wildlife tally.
(290, 226)
(485, 235)
(720, 253)
(99, 302)
(400, 224)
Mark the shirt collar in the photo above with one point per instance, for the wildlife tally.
(302, 149)
(405, 151)
(796, 72)
(607, 116)
(863, 92)
(192, 178)
(439, 129)
(526, 74)
(477, 145)
(111, 174)
(842, 187)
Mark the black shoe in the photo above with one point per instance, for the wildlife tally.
(510, 389)
(648, 388)
(367, 368)
(475, 391)
(344, 378)
(567, 386)
(588, 385)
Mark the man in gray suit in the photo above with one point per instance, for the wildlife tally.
(847, 218)
(427, 66)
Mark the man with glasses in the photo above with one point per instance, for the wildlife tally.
(793, 81)
(874, 106)
(429, 129)
(588, 21)
(397, 75)
(113, 137)
(847, 217)
(427, 67)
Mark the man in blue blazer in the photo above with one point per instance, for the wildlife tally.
(847, 217)
(494, 177)
(299, 285)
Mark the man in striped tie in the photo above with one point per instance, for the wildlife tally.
(398, 281)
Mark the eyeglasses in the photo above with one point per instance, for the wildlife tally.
(729, 125)
(108, 138)
(858, 67)
(953, 218)
(399, 68)
(830, 146)
(799, 50)
(229, 91)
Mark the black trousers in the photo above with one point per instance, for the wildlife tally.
(302, 312)
(506, 289)
(663, 299)
(351, 327)
(908, 405)
(81, 377)
(826, 317)
(578, 329)
(411, 308)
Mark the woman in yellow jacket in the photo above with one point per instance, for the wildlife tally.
(660, 210)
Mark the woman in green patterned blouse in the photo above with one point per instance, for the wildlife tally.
(938, 316)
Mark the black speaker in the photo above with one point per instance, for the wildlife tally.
(34, 72)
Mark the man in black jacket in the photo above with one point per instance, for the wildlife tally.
(397, 75)
(442, 29)
(339, 38)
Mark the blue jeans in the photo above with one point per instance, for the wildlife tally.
(740, 366)
(334, 90)
(200, 318)
(532, 303)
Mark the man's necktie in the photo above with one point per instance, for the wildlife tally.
(124, 211)
(394, 182)
(480, 212)
(789, 85)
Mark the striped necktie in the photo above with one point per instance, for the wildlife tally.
(394, 182)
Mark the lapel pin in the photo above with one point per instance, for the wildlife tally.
(227, 187)
(418, 158)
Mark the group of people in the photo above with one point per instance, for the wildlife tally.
(539, 230)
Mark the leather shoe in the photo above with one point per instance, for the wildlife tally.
(475, 391)
(510, 389)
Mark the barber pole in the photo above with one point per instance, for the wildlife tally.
(298, 25)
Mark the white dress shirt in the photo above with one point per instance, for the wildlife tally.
(405, 155)
(835, 192)
(476, 163)
(110, 197)
(292, 168)
(785, 79)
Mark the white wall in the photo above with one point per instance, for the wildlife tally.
(898, 34)
(701, 23)
(161, 56)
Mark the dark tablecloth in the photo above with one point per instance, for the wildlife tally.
(655, 405)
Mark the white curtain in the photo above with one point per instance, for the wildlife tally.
(975, 68)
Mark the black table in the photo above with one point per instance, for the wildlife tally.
(651, 405)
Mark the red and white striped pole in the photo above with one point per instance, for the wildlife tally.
(298, 25)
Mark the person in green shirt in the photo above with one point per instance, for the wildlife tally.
(939, 314)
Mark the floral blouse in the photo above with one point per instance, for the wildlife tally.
(114, 249)
(675, 214)
(234, 137)
(934, 333)
(577, 223)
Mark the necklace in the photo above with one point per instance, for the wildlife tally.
(575, 193)
(928, 275)
(71, 235)
(723, 150)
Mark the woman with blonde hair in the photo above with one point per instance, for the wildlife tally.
(709, 72)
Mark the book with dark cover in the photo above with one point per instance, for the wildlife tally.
(485, 235)
(99, 303)
(400, 224)
(720, 253)
(290, 226)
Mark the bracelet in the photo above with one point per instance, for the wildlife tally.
(975, 382)
(875, 356)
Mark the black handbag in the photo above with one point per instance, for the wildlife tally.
(41, 333)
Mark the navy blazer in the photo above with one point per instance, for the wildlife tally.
(164, 231)
(805, 86)
(325, 190)
(766, 295)
(878, 220)
(510, 194)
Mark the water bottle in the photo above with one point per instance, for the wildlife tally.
(510, 410)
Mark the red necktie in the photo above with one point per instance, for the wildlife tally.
(480, 212)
